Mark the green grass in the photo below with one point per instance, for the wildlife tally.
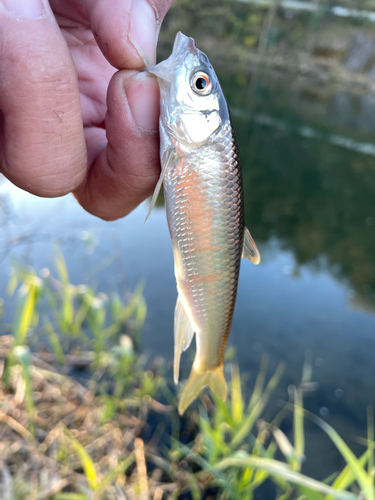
(238, 450)
(68, 441)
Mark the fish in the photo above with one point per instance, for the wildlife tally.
(202, 182)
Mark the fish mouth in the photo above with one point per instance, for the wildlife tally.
(166, 69)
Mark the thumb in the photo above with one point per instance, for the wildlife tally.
(127, 32)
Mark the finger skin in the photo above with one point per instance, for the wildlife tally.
(42, 146)
(111, 24)
(126, 171)
(42, 140)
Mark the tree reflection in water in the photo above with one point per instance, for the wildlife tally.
(318, 199)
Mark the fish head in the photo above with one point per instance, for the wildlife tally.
(193, 106)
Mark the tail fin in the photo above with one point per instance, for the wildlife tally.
(214, 379)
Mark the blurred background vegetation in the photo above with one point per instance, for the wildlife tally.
(87, 417)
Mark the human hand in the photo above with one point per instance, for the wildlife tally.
(68, 121)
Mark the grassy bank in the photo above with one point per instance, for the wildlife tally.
(84, 415)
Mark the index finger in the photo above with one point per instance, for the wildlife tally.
(126, 31)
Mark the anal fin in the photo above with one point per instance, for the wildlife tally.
(183, 335)
(249, 249)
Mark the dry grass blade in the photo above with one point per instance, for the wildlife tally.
(51, 490)
(113, 475)
(16, 426)
(70, 496)
(22, 354)
(284, 444)
(141, 469)
(158, 495)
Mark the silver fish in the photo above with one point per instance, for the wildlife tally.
(204, 201)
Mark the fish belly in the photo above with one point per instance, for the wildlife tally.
(204, 203)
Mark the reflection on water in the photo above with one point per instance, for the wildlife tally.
(311, 189)
(310, 204)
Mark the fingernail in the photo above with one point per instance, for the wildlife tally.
(143, 96)
(26, 9)
(142, 30)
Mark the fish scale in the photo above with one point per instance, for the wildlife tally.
(215, 253)
(204, 202)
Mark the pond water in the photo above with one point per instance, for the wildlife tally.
(309, 176)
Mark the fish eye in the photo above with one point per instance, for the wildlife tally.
(201, 83)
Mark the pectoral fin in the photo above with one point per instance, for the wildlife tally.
(249, 249)
(183, 335)
(170, 159)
